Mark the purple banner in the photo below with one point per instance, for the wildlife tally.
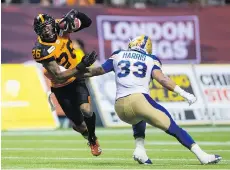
(179, 35)
(175, 38)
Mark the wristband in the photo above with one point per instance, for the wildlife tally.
(179, 90)
(81, 66)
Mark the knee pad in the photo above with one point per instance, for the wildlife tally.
(86, 110)
(180, 134)
(173, 128)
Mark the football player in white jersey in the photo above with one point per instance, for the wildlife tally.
(134, 68)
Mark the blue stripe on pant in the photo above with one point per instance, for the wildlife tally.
(181, 135)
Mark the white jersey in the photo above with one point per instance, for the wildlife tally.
(133, 71)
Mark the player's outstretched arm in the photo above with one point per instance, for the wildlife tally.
(94, 71)
(166, 82)
(59, 76)
(106, 67)
(53, 68)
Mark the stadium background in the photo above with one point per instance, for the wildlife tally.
(190, 37)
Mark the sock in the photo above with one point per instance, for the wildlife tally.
(181, 135)
(140, 142)
(85, 134)
(198, 151)
(139, 129)
(91, 123)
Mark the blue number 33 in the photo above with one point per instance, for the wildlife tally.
(125, 69)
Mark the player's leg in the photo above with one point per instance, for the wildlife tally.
(69, 100)
(125, 113)
(89, 116)
(82, 128)
(90, 119)
(158, 116)
(139, 133)
(139, 136)
(64, 99)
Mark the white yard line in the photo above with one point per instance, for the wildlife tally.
(96, 169)
(106, 158)
(105, 149)
(74, 141)
(104, 131)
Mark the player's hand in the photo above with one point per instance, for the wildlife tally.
(87, 61)
(68, 20)
(88, 72)
(67, 23)
(190, 98)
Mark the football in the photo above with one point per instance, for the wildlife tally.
(77, 23)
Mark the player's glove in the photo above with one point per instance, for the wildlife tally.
(87, 61)
(68, 20)
(189, 97)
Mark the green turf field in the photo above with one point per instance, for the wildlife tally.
(64, 149)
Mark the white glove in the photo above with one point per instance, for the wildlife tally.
(188, 96)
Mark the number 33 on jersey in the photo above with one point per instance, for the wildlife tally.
(133, 70)
(61, 50)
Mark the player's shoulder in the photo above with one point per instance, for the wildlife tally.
(116, 52)
(154, 58)
(42, 51)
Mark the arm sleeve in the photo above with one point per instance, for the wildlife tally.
(108, 65)
(85, 21)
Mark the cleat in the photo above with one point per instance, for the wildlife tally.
(141, 157)
(95, 148)
(148, 162)
(140, 161)
(211, 159)
(216, 160)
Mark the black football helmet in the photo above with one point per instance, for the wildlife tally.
(45, 27)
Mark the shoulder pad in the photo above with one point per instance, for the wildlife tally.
(156, 58)
(116, 52)
(42, 52)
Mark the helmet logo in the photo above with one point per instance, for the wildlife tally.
(41, 17)
(141, 43)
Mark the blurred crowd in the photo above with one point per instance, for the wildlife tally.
(54, 2)
(119, 3)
